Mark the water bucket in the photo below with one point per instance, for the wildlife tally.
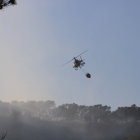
(88, 75)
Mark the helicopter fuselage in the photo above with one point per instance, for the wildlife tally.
(76, 63)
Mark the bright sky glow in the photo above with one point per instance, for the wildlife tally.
(37, 38)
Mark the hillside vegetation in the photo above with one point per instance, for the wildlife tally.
(43, 120)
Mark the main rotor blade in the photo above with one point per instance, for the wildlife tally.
(74, 58)
(66, 63)
(81, 53)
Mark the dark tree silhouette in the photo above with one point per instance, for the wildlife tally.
(43, 119)
(3, 136)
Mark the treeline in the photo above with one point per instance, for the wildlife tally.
(44, 120)
(47, 110)
(4, 3)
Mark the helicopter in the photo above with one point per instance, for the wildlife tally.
(78, 63)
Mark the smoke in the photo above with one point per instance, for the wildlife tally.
(35, 120)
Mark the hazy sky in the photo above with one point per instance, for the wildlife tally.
(37, 37)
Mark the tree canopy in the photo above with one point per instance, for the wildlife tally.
(43, 119)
